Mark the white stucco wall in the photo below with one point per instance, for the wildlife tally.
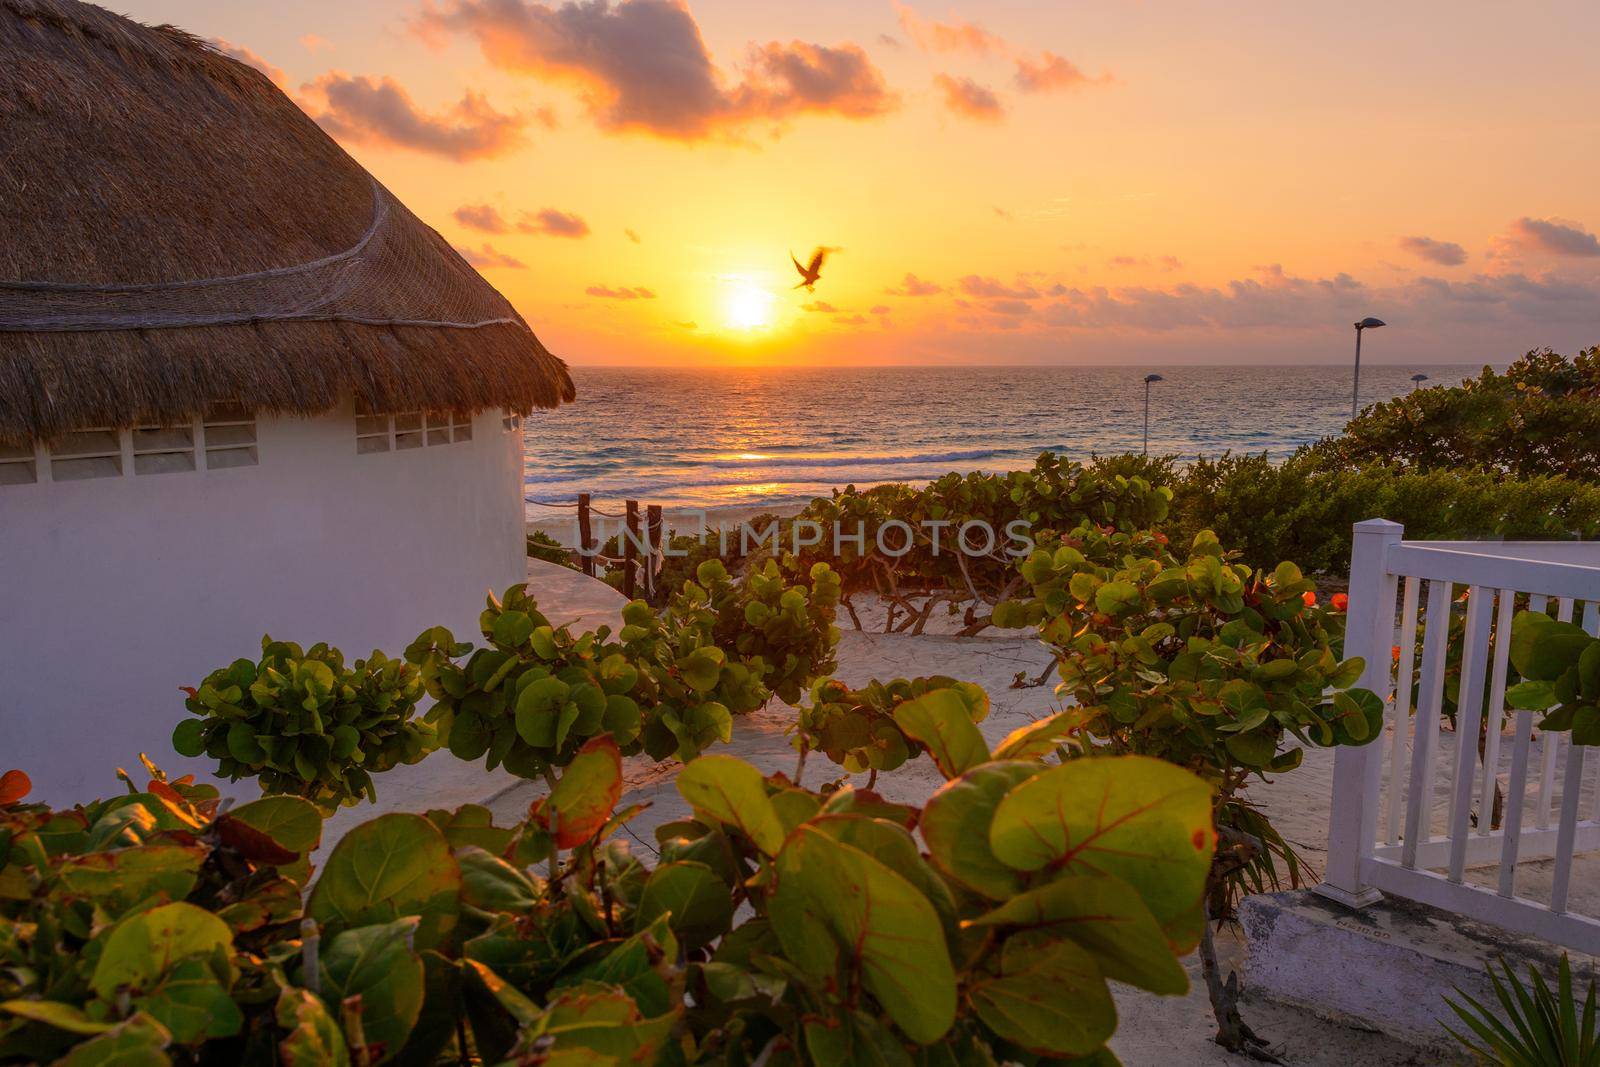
(116, 591)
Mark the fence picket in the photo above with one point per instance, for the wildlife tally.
(1430, 704)
(1400, 706)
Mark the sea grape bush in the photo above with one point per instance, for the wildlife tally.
(1559, 663)
(1538, 417)
(1198, 660)
(858, 729)
(776, 925)
(993, 515)
(783, 632)
(303, 723)
(668, 683)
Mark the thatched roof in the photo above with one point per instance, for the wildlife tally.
(138, 157)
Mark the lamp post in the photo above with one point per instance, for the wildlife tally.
(1416, 380)
(1368, 323)
(1148, 378)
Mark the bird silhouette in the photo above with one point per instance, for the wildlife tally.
(812, 272)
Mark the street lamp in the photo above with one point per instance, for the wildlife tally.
(1368, 323)
(1416, 380)
(1148, 378)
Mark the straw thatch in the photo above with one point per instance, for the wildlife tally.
(132, 154)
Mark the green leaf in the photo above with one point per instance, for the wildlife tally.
(1542, 649)
(138, 1042)
(955, 825)
(728, 790)
(1105, 916)
(511, 629)
(1037, 739)
(489, 883)
(292, 822)
(314, 1039)
(188, 738)
(702, 668)
(886, 930)
(585, 795)
(1117, 598)
(694, 898)
(376, 963)
(145, 946)
(122, 878)
(1048, 997)
(1140, 819)
(193, 1005)
(940, 719)
(68, 1017)
(392, 866)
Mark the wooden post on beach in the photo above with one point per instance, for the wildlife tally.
(585, 560)
(630, 550)
(652, 537)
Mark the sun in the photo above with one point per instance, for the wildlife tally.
(746, 307)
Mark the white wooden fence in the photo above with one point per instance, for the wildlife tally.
(1451, 832)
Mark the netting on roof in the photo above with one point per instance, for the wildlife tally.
(388, 278)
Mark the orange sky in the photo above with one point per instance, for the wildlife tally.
(1095, 182)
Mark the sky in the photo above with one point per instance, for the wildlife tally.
(1085, 181)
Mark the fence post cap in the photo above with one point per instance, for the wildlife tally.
(1379, 526)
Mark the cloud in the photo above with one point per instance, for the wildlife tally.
(888, 40)
(623, 292)
(642, 65)
(248, 58)
(1445, 253)
(1041, 73)
(965, 97)
(1166, 263)
(489, 257)
(1050, 73)
(313, 43)
(549, 221)
(1002, 213)
(912, 285)
(482, 217)
(1008, 307)
(988, 288)
(851, 320)
(957, 35)
(1560, 237)
(555, 223)
(381, 112)
(880, 309)
(819, 305)
(634, 237)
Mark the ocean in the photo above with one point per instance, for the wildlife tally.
(733, 441)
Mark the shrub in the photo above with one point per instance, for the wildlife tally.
(857, 728)
(1559, 663)
(303, 723)
(1539, 418)
(1534, 1027)
(777, 922)
(536, 693)
(785, 633)
(1206, 663)
(542, 546)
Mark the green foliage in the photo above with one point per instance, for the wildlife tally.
(1302, 511)
(303, 723)
(1539, 418)
(542, 546)
(1198, 660)
(668, 683)
(776, 922)
(1560, 666)
(858, 728)
(1052, 494)
(784, 633)
(1534, 1027)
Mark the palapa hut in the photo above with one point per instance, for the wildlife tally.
(242, 390)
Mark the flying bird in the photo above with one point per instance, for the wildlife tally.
(812, 272)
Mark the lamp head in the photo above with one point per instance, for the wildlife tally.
(1370, 323)
(1153, 378)
(1419, 377)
